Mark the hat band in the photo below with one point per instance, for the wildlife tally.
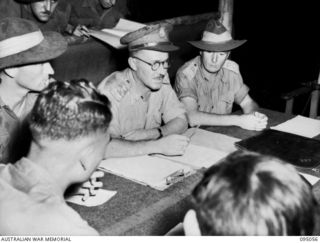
(212, 37)
(151, 44)
(20, 43)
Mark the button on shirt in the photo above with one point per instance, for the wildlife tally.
(138, 110)
(31, 203)
(213, 95)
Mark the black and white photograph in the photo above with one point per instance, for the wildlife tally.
(159, 118)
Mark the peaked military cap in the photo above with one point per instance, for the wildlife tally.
(150, 37)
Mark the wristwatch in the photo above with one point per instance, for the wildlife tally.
(160, 133)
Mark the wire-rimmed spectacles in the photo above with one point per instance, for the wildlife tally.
(155, 66)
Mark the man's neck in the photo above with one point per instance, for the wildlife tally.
(139, 85)
(207, 74)
(55, 161)
(11, 93)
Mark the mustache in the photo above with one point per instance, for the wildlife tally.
(161, 76)
(46, 12)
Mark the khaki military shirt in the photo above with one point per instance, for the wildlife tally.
(215, 95)
(9, 120)
(140, 111)
(31, 203)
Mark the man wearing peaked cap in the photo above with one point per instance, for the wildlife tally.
(209, 84)
(147, 115)
(24, 70)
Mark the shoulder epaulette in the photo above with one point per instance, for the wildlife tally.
(190, 69)
(232, 66)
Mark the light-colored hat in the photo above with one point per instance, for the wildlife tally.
(216, 38)
(22, 42)
(150, 37)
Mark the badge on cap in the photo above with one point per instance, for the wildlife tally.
(162, 32)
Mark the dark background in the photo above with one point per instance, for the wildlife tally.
(283, 42)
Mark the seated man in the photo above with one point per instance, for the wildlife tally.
(251, 194)
(97, 14)
(24, 70)
(69, 125)
(210, 83)
(49, 15)
(148, 115)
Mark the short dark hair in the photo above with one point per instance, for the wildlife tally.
(68, 110)
(251, 194)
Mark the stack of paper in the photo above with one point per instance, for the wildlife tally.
(147, 170)
(300, 125)
(199, 157)
(112, 36)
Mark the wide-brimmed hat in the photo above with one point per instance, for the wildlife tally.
(150, 37)
(216, 38)
(22, 42)
(27, 1)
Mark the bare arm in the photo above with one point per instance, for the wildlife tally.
(175, 126)
(196, 117)
(169, 145)
(248, 105)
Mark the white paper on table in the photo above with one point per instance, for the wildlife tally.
(212, 140)
(146, 170)
(100, 198)
(112, 36)
(300, 125)
(312, 179)
(198, 156)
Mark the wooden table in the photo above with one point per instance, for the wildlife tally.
(140, 210)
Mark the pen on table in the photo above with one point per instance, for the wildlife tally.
(174, 177)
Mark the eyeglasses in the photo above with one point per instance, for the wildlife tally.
(155, 66)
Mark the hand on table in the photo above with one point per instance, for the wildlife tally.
(81, 31)
(255, 121)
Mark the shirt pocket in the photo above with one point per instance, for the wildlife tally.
(226, 103)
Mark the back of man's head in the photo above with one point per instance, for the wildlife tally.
(69, 110)
(251, 194)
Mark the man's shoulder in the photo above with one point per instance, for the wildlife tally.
(116, 85)
(231, 66)
(189, 69)
(115, 79)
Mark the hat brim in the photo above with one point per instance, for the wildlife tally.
(210, 46)
(27, 1)
(161, 48)
(51, 47)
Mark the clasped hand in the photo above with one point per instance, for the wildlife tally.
(255, 121)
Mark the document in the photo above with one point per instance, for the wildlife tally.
(100, 198)
(112, 36)
(198, 157)
(311, 179)
(158, 173)
(212, 140)
(300, 125)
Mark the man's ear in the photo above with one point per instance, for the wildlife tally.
(132, 63)
(11, 72)
(190, 224)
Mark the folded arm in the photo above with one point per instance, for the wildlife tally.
(256, 121)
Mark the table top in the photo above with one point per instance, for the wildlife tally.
(141, 210)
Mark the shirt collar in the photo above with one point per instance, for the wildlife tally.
(30, 175)
(208, 77)
(135, 91)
